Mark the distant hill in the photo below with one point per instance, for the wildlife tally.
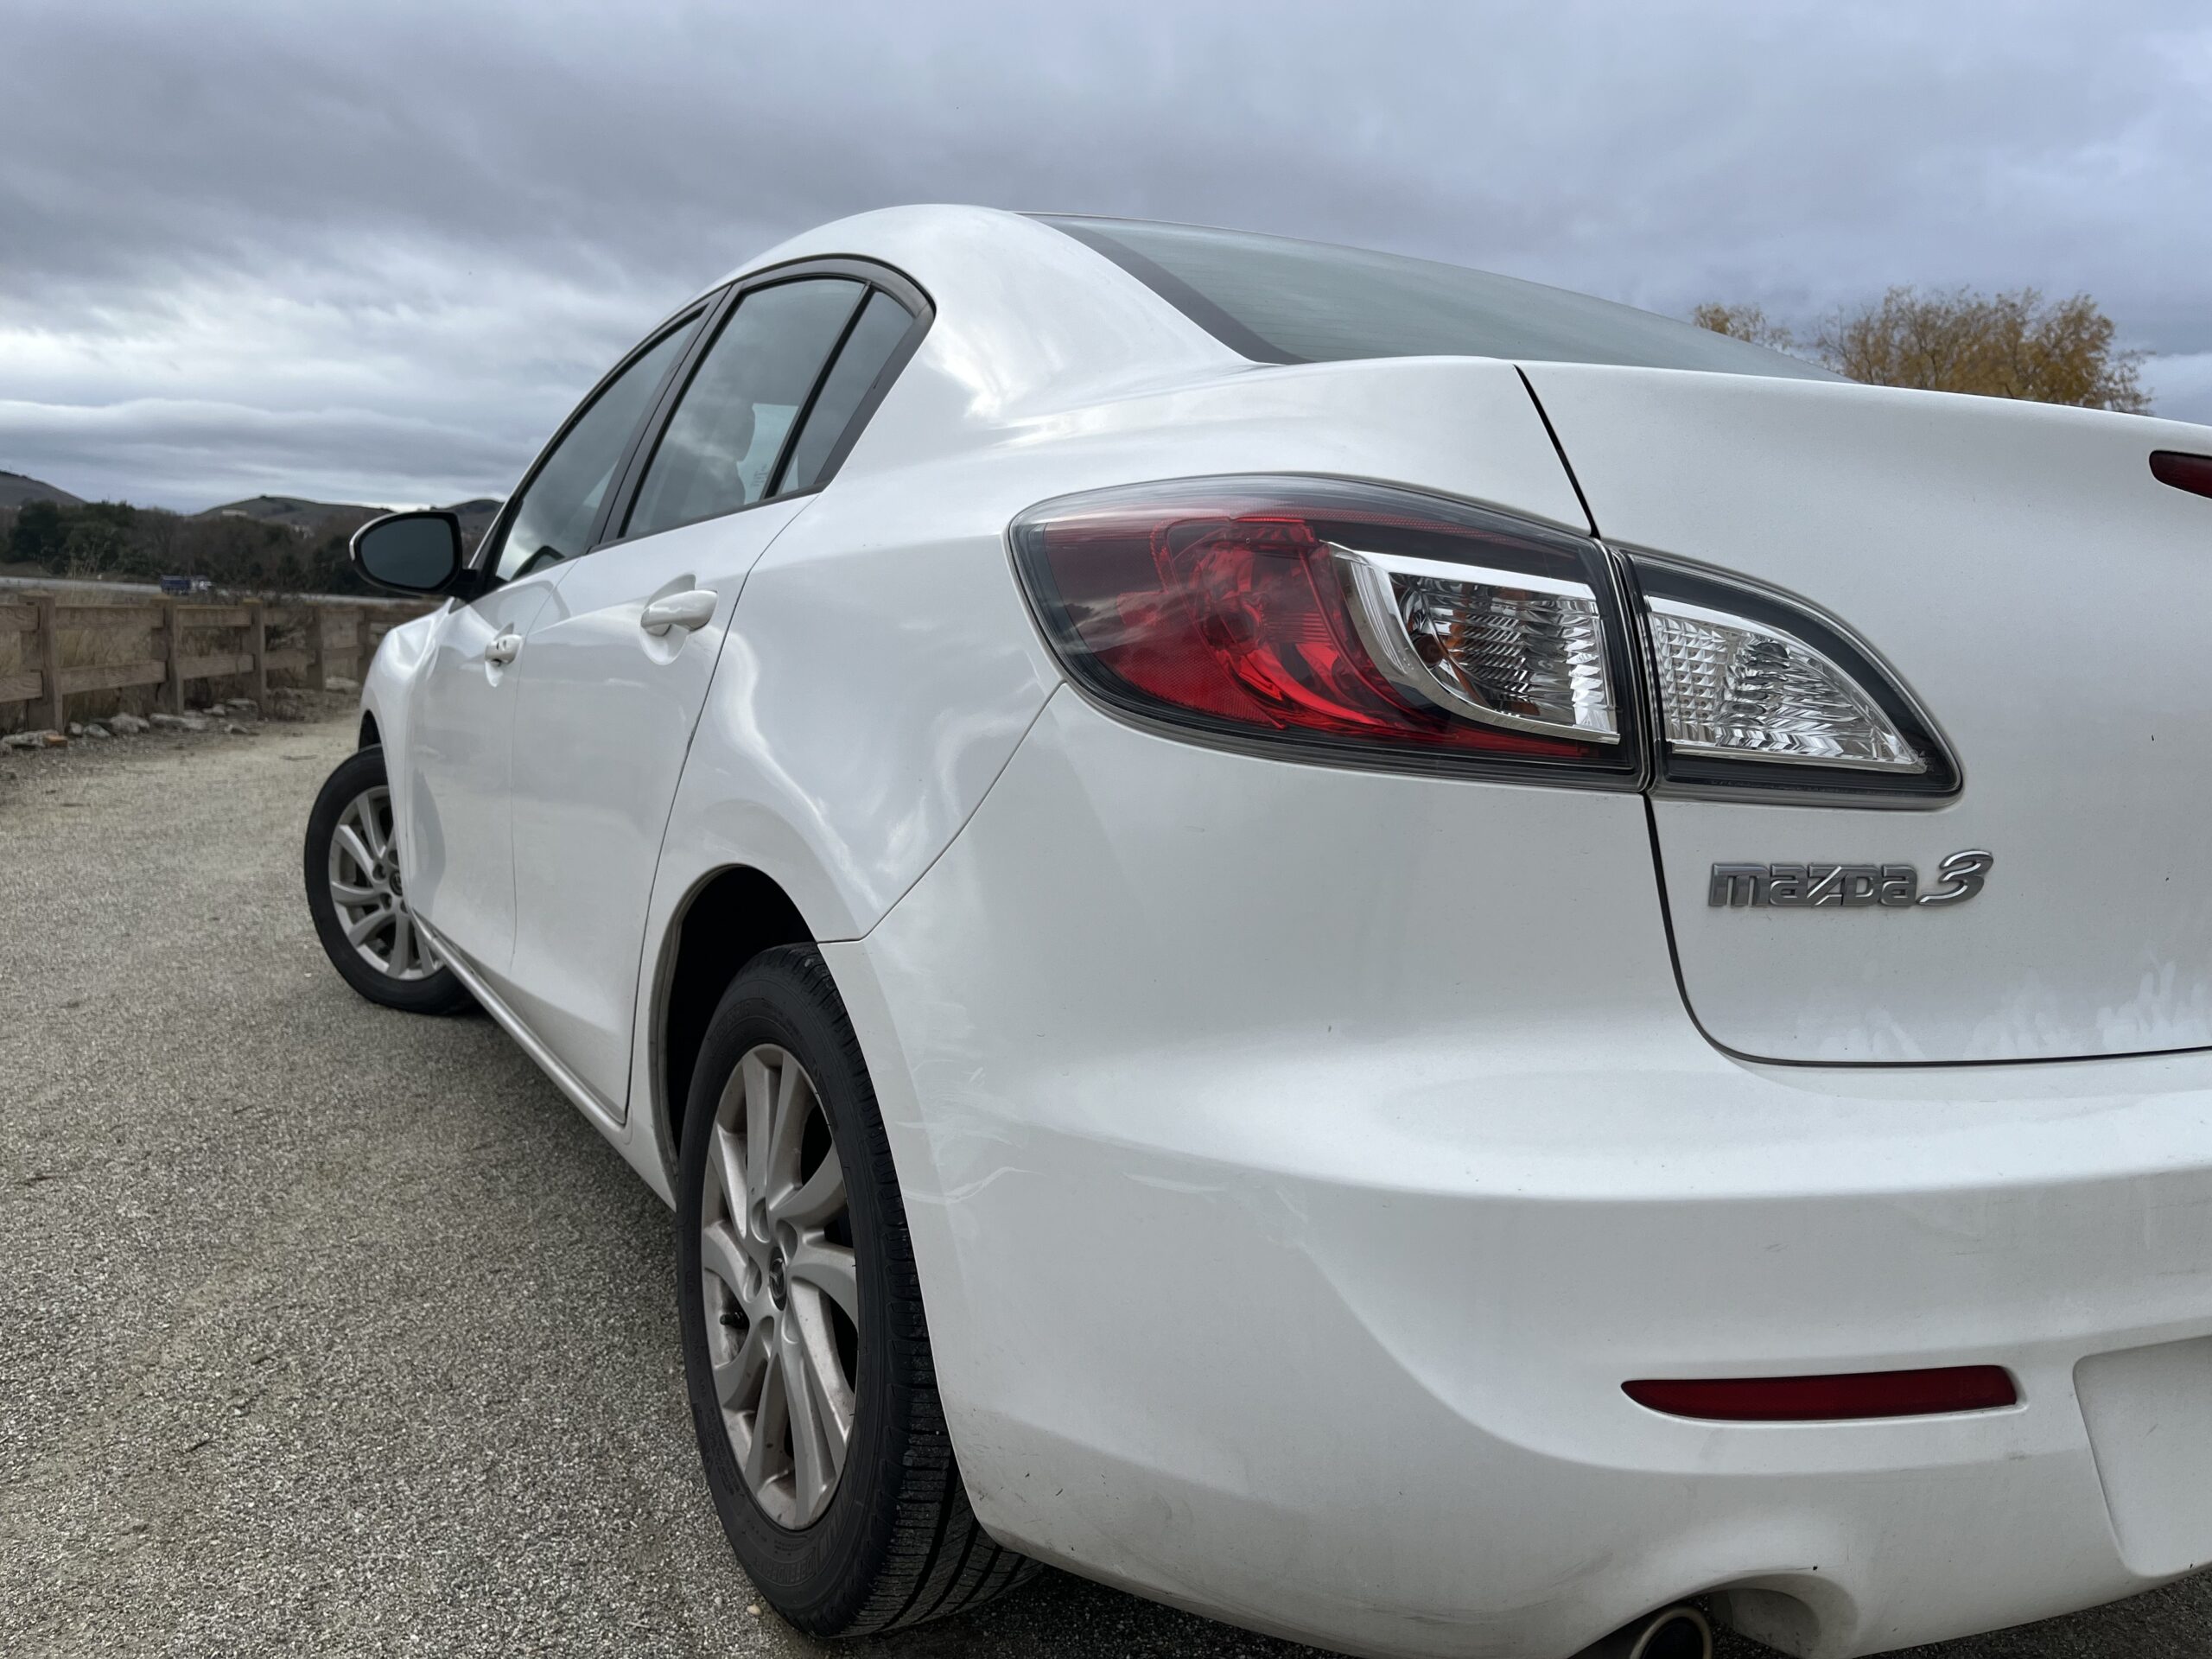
(315, 517)
(15, 489)
(476, 516)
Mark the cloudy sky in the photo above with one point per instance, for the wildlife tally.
(374, 253)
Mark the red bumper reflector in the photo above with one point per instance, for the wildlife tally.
(1830, 1399)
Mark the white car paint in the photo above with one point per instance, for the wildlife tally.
(2047, 599)
(601, 697)
(450, 729)
(1300, 1158)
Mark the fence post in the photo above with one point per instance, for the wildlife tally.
(50, 705)
(256, 642)
(173, 638)
(316, 675)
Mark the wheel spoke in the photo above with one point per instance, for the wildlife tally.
(400, 960)
(769, 1421)
(811, 1470)
(720, 1254)
(366, 924)
(821, 1197)
(794, 1100)
(759, 1122)
(738, 1379)
(354, 847)
(347, 893)
(831, 1269)
(726, 1168)
(364, 815)
(825, 1375)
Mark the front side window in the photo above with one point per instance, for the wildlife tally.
(1279, 301)
(554, 517)
(721, 446)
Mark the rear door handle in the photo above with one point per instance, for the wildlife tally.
(690, 610)
(504, 648)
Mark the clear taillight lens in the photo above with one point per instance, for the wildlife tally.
(1341, 619)
(1729, 685)
(1509, 649)
(1745, 678)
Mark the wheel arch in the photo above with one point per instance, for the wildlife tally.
(729, 916)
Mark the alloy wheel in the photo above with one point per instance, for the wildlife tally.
(781, 1286)
(366, 887)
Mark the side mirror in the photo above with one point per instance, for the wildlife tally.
(409, 552)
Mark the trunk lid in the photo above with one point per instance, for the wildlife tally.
(2047, 601)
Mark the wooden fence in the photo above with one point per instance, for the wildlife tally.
(308, 641)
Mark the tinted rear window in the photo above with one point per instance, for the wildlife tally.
(883, 324)
(1278, 301)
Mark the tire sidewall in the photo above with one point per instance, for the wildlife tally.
(818, 1576)
(438, 993)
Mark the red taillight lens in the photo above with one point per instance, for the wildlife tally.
(2181, 470)
(1342, 617)
(1830, 1399)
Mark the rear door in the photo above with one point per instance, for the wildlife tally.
(455, 793)
(618, 672)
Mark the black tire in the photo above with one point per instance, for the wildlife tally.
(898, 1542)
(438, 992)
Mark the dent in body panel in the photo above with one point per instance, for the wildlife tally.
(866, 698)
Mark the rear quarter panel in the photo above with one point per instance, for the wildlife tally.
(882, 666)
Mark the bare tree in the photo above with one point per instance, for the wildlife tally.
(2006, 345)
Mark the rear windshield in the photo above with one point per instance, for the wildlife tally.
(1277, 301)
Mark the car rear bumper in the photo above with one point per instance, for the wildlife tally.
(1299, 1162)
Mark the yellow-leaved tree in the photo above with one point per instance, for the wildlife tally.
(2015, 345)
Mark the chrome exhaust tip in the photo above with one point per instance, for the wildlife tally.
(1673, 1633)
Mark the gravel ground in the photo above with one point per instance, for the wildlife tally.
(326, 1329)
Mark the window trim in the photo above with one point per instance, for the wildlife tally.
(1229, 331)
(873, 275)
(640, 461)
(691, 314)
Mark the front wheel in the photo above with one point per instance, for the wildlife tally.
(806, 1351)
(358, 894)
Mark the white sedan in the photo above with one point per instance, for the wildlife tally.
(1412, 959)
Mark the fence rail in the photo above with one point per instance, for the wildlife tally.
(314, 641)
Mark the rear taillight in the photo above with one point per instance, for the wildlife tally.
(1363, 622)
(1345, 618)
(1759, 695)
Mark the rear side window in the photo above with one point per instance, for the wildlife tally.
(720, 447)
(862, 365)
(1279, 301)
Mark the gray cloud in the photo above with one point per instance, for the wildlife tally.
(378, 252)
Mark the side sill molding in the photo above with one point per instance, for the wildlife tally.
(585, 1098)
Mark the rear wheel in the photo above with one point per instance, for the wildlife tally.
(804, 1346)
(357, 894)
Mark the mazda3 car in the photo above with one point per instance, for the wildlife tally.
(1411, 959)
